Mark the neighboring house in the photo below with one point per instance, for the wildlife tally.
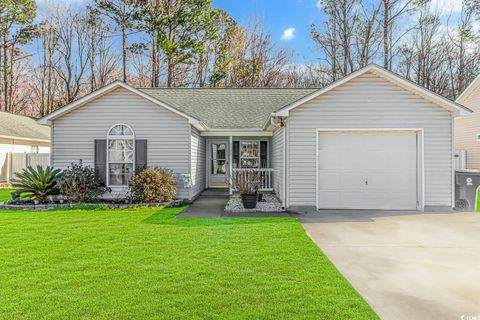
(20, 134)
(467, 129)
(371, 140)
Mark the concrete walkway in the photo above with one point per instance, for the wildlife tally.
(406, 265)
(211, 204)
(206, 206)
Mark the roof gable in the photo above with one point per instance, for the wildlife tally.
(103, 91)
(389, 76)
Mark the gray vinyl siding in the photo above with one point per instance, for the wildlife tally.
(198, 161)
(277, 161)
(369, 102)
(467, 128)
(167, 133)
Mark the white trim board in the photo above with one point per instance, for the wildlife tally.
(452, 106)
(47, 120)
(23, 139)
(420, 158)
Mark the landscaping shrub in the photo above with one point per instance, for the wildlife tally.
(153, 185)
(39, 182)
(81, 184)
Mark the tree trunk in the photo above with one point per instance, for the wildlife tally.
(386, 34)
(154, 58)
(171, 59)
(5, 71)
(124, 51)
(93, 84)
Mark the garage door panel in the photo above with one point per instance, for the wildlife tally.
(378, 160)
(353, 180)
(331, 160)
(335, 180)
(355, 158)
(330, 198)
(332, 179)
(390, 180)
(403, 161)
(350, 199)
(374, 199)
(386, 160)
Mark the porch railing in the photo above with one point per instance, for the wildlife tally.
(265, 175)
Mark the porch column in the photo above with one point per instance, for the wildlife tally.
(230, 166)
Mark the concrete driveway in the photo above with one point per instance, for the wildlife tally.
(406, 265)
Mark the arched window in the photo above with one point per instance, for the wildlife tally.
(120, 155)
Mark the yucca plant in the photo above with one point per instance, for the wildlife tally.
(40, 182)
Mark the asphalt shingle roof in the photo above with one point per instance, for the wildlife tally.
(14, 125)
(228, 108)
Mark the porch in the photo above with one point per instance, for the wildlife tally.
(231, 159)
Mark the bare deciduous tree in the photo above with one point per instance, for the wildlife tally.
(73, 53)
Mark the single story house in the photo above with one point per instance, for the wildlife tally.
(467, 129)
(372, 140)
(20, 134)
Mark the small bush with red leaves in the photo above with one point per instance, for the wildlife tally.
(153, 185)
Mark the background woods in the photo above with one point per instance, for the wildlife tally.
(53, 57)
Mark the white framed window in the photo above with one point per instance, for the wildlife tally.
(478, 136)
(249, 154)
(34, 149)
(120, 155)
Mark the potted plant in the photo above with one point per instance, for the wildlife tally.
(247, 183)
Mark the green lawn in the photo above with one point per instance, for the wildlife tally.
(5, 194)
(147, 264)
(478, 200)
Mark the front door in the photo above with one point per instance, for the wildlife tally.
(217, 164)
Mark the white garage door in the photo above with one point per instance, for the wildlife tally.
(367, 170)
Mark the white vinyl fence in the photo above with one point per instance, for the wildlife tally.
(16, 162)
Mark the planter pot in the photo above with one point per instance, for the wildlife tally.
(249, 200)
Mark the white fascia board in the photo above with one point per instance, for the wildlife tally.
(200, 126)
(47, 120)
(454, 107)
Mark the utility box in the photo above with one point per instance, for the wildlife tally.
(466, 185)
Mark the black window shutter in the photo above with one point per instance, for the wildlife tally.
(236, 154)
(140, 154)
(263, 154)
(101, 160)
